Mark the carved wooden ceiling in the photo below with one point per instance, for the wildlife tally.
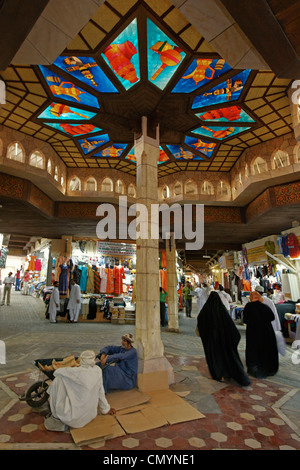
(139, 58)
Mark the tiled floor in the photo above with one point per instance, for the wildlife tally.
(263, 416)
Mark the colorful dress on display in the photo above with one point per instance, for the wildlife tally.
(103, 276)
(110, 281)
(90, 280)
(83, 279)
(97, 282)
(63, 279)
(119, 275)
(38, 265)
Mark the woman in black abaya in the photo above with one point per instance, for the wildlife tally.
(261, 346)
(220, 339)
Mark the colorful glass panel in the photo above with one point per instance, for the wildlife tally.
(163, 157)
(93, 142)
(122, 55)
(73, 129)
(86, 70)
(63, 111)
(200, 72)
(115, 151)
(202, 146)
(164, 56)
(66, 90)
(181, 153)
(219, 133)
(231, 114)
(229, 90)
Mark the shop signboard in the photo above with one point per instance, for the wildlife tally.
(116, 249)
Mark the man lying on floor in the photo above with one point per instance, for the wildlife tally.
(119, 365)
(74, 395)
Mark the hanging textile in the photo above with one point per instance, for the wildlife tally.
(83, 279)
(31, 265)
(163, 279)
(110, 281)
(63, 279)
(119, 275)
(97, 281)
(38, 265)
(293, 246)
(103, 276)
(90, 280)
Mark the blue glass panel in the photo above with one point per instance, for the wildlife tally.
(122, 55)
(73, 129)
(202, 146)
(91, 143)
(63, 111)
(88, 71)
(164, 56)
(66, 90)
(219, 133)
(232, 114)
(130, 156)
(200, 72)
(182, 154)
(114, 151)
(229, 90)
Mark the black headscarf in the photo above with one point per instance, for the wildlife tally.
(220, 339)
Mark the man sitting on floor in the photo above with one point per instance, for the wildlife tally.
(119, 365)
(74, 395)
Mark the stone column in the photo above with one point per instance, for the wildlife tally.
(172, 285)
(148, 338)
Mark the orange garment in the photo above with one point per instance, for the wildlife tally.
(247, 285)
(164, 280)
(31, 265)
(119, 275)
(163, 259)
(110, 281)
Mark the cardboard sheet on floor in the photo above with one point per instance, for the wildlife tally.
(102, 427)
(121, 399)
(141, 420)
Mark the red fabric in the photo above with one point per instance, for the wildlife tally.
(119, 275)
(292, 243)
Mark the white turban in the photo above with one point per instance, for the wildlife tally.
(87, 358)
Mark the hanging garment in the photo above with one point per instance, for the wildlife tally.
(83, 279)
(110, 281)
(76, 274)
(38, 265)
(163, 279)
(285, 248)
(92, 309)
(103, 276)
(31, 265)
(90, 280)
(119, 275)
(63, 279)
(97, 281)
(292, 243)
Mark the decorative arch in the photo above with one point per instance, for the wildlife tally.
(16, 152)
(280, 159)
(177, 188)
(190, 188)
(165, 193)
(120, 187)
(107, 185)
(49, 166)
(91, 184)
(131, 190)
(207, 188)
(75, 184)
(259, 165)
(222, 188)
(37, 159)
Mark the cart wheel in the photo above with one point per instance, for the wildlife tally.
(37, 394)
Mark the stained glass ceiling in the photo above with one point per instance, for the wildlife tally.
(88, 104)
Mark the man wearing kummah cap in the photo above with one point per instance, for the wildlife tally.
(119, 365)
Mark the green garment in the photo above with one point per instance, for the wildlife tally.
(186, 292)
(163, 296)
